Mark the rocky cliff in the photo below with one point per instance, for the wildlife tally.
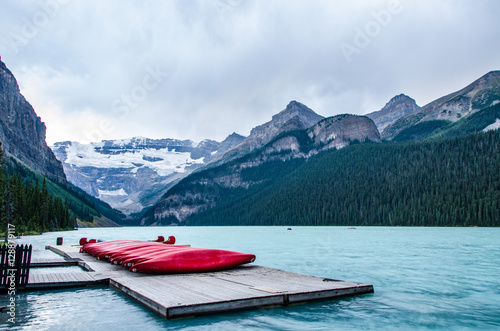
(22, 132)
(295, 116)
(340, 130)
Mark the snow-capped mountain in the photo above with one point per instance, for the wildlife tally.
(131, 174)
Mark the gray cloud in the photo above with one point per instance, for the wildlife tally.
(229, 65)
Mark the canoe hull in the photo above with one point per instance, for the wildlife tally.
(194, 260)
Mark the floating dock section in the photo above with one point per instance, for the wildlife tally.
(184, 295)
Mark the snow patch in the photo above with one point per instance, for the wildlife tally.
(112, 193)
(493, 126)
(85, 155)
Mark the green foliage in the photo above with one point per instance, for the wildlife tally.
(439, 129)
(453, 182)
(421, 130)
(485, 98)
(87, 206)
(31, 208)
(34, 203)
(471, 124)
(77, 201)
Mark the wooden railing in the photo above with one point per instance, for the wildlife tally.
(14, 266)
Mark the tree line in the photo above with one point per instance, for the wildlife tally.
(448, 182)
(27, 204)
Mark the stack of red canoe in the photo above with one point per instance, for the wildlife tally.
(154, 257)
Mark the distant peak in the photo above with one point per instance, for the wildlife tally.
(294, 103)
(399, 99)
(235, 135)
(295, 106)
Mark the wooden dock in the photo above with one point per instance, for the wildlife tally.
(183, 295)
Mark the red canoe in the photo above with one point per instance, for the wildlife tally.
(150, 255)
(112, 251)
(154, 257)
(94, 248)
(149, 249)
(193, 260)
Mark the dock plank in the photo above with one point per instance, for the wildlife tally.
(53, 263)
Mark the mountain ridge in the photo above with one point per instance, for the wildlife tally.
(480, 94)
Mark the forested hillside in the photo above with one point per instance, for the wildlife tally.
(445, 129)
(35, 204)
(29, 206)
(449, 182)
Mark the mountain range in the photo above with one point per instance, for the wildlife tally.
(137, 174)
(132, 174)
(450, 109)
(201, 190)
(169, 181)
(267, 153)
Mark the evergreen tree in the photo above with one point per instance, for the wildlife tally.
(29, 207)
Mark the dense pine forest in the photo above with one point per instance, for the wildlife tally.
(27, 204)
(448, 182)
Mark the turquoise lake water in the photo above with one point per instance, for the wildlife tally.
(424, 278)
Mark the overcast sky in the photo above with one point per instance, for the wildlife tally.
(201, 69)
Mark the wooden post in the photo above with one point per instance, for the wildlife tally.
(4, 266)
(23, 260)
